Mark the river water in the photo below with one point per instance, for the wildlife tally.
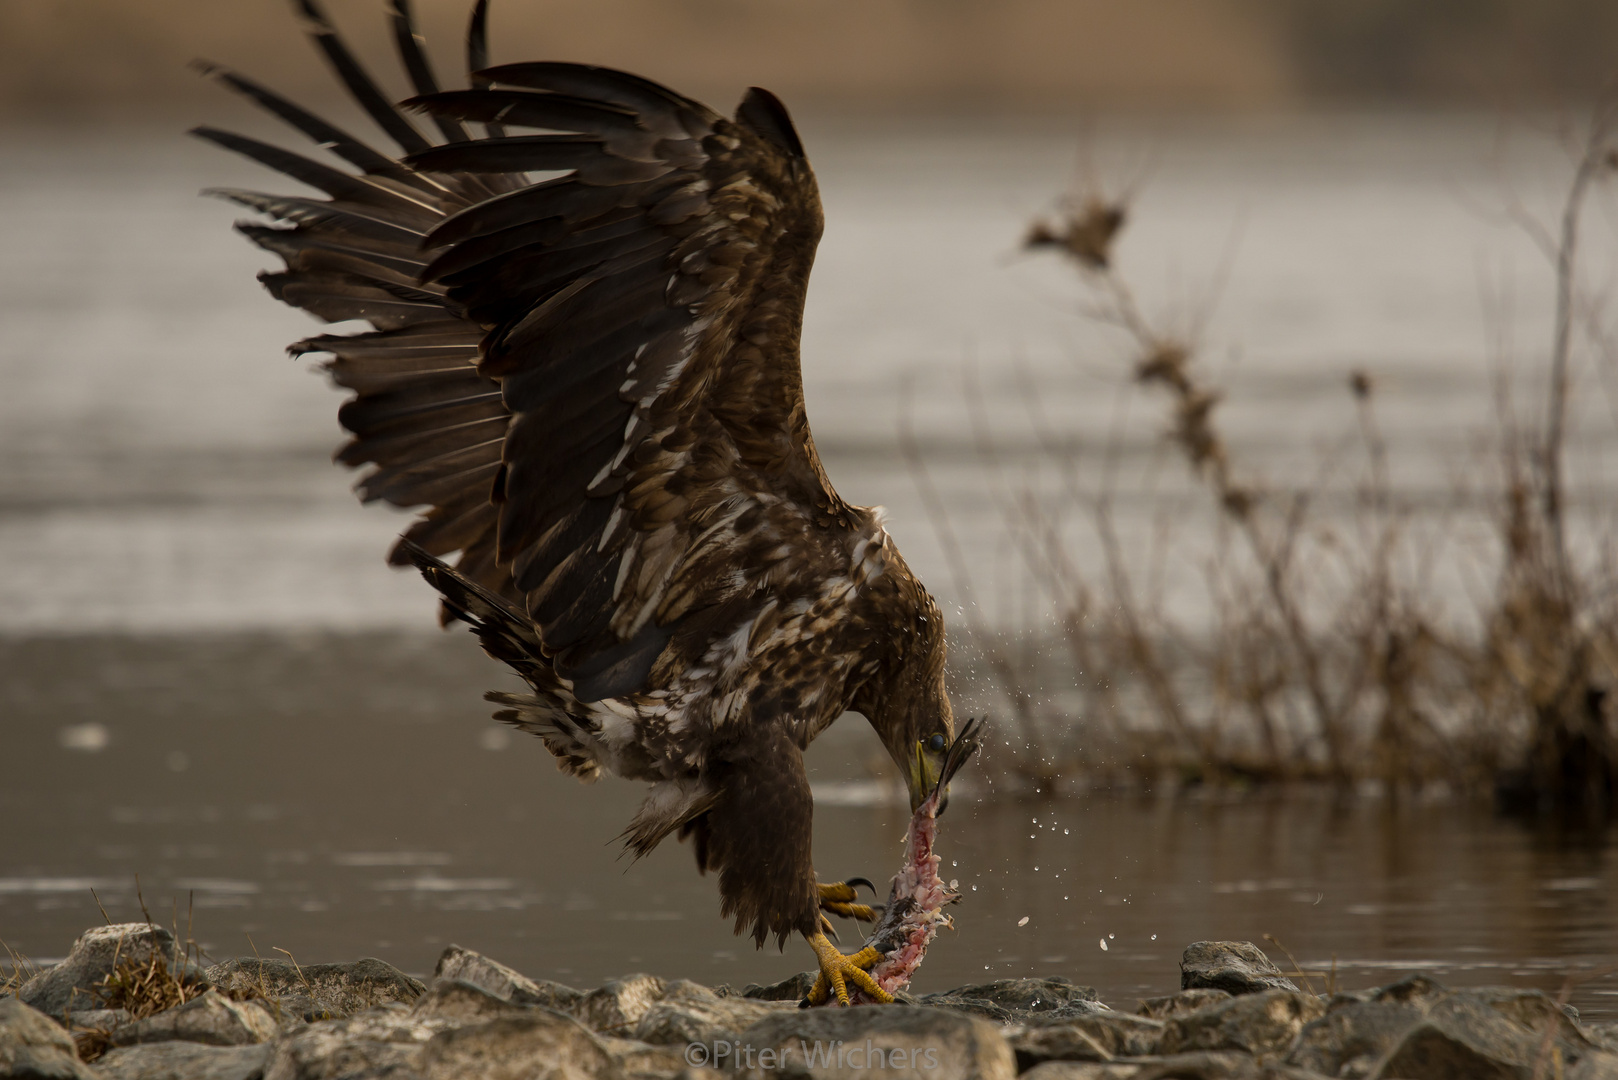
(210, 680)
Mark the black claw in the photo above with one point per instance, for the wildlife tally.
(856, 882)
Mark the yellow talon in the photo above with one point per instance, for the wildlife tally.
(838, 897)
(837, 971)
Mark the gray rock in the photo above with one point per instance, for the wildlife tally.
(33, 1046)
(1352, 1035)
(1236, 967)
(1491, 1031)
(70, 985)
(93, 1019)
(210, 1018)
(938, 1044)
(636, 1060)
(1417, 1024)
(542, 1043)
(318, 991)
(1264, 1025)
(497, 979)
(1096, 1037)
(1007, 1000)
(1432, 1051)
(1597, 1065)
(183, 1061)
(691, 1013)
(616, 1007)
(465, 1003)
(1531, 1009)
(384, 1041)
(795, 988)
(1186, 1001)
(1219, 1065)
(1604, 1035)
(1416, 990)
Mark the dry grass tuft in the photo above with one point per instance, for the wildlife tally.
(1085, 232)
(1326, 653)
(144, 988)
(16, 970)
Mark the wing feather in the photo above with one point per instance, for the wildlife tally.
(589, 383)
(645, 310)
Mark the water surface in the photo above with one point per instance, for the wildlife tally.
(345, 795)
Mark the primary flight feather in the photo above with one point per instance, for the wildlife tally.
(590, 383)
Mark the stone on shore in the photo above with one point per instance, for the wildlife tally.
(1208, 1065)
(1095, 1037)
(32, 1045)
(465, 1003)
(504, 982)
(210, 1018)
(382, 1041)
(1186, 1001)
(940, 1044)
(617, 1006)
(795, 988)
(183, 1061)
(539, 1043)
(688, 1013)
(92, 1019)
(1236, 967)
(1007, 1000)
(1264, 1024)
(71, 985)
(1420, 1028)
(318, 991)
(483, 1019)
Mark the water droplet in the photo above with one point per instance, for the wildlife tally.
(1112, 937)
(954, 884)
(952, 862)
(1103, 944)
(1064, 832)
(1023, 921)
(974, 888)
(1154, 937)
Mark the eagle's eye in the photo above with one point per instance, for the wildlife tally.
(936, 743)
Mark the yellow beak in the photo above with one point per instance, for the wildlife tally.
(923, 776)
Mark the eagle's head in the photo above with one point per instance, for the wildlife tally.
(905, 698)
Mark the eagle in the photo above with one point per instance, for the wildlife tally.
(584, 294)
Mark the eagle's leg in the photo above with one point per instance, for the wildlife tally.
(840, 898)
(838, 970)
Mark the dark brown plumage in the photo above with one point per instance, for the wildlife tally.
(589, 383)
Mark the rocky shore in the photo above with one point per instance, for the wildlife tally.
(1237, 1016)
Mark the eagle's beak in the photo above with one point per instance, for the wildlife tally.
(923, 776)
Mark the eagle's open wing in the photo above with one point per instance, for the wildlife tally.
(591, 380)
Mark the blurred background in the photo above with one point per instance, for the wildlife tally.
(1234, 490)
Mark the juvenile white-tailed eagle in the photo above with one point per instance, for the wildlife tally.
(591, 383)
